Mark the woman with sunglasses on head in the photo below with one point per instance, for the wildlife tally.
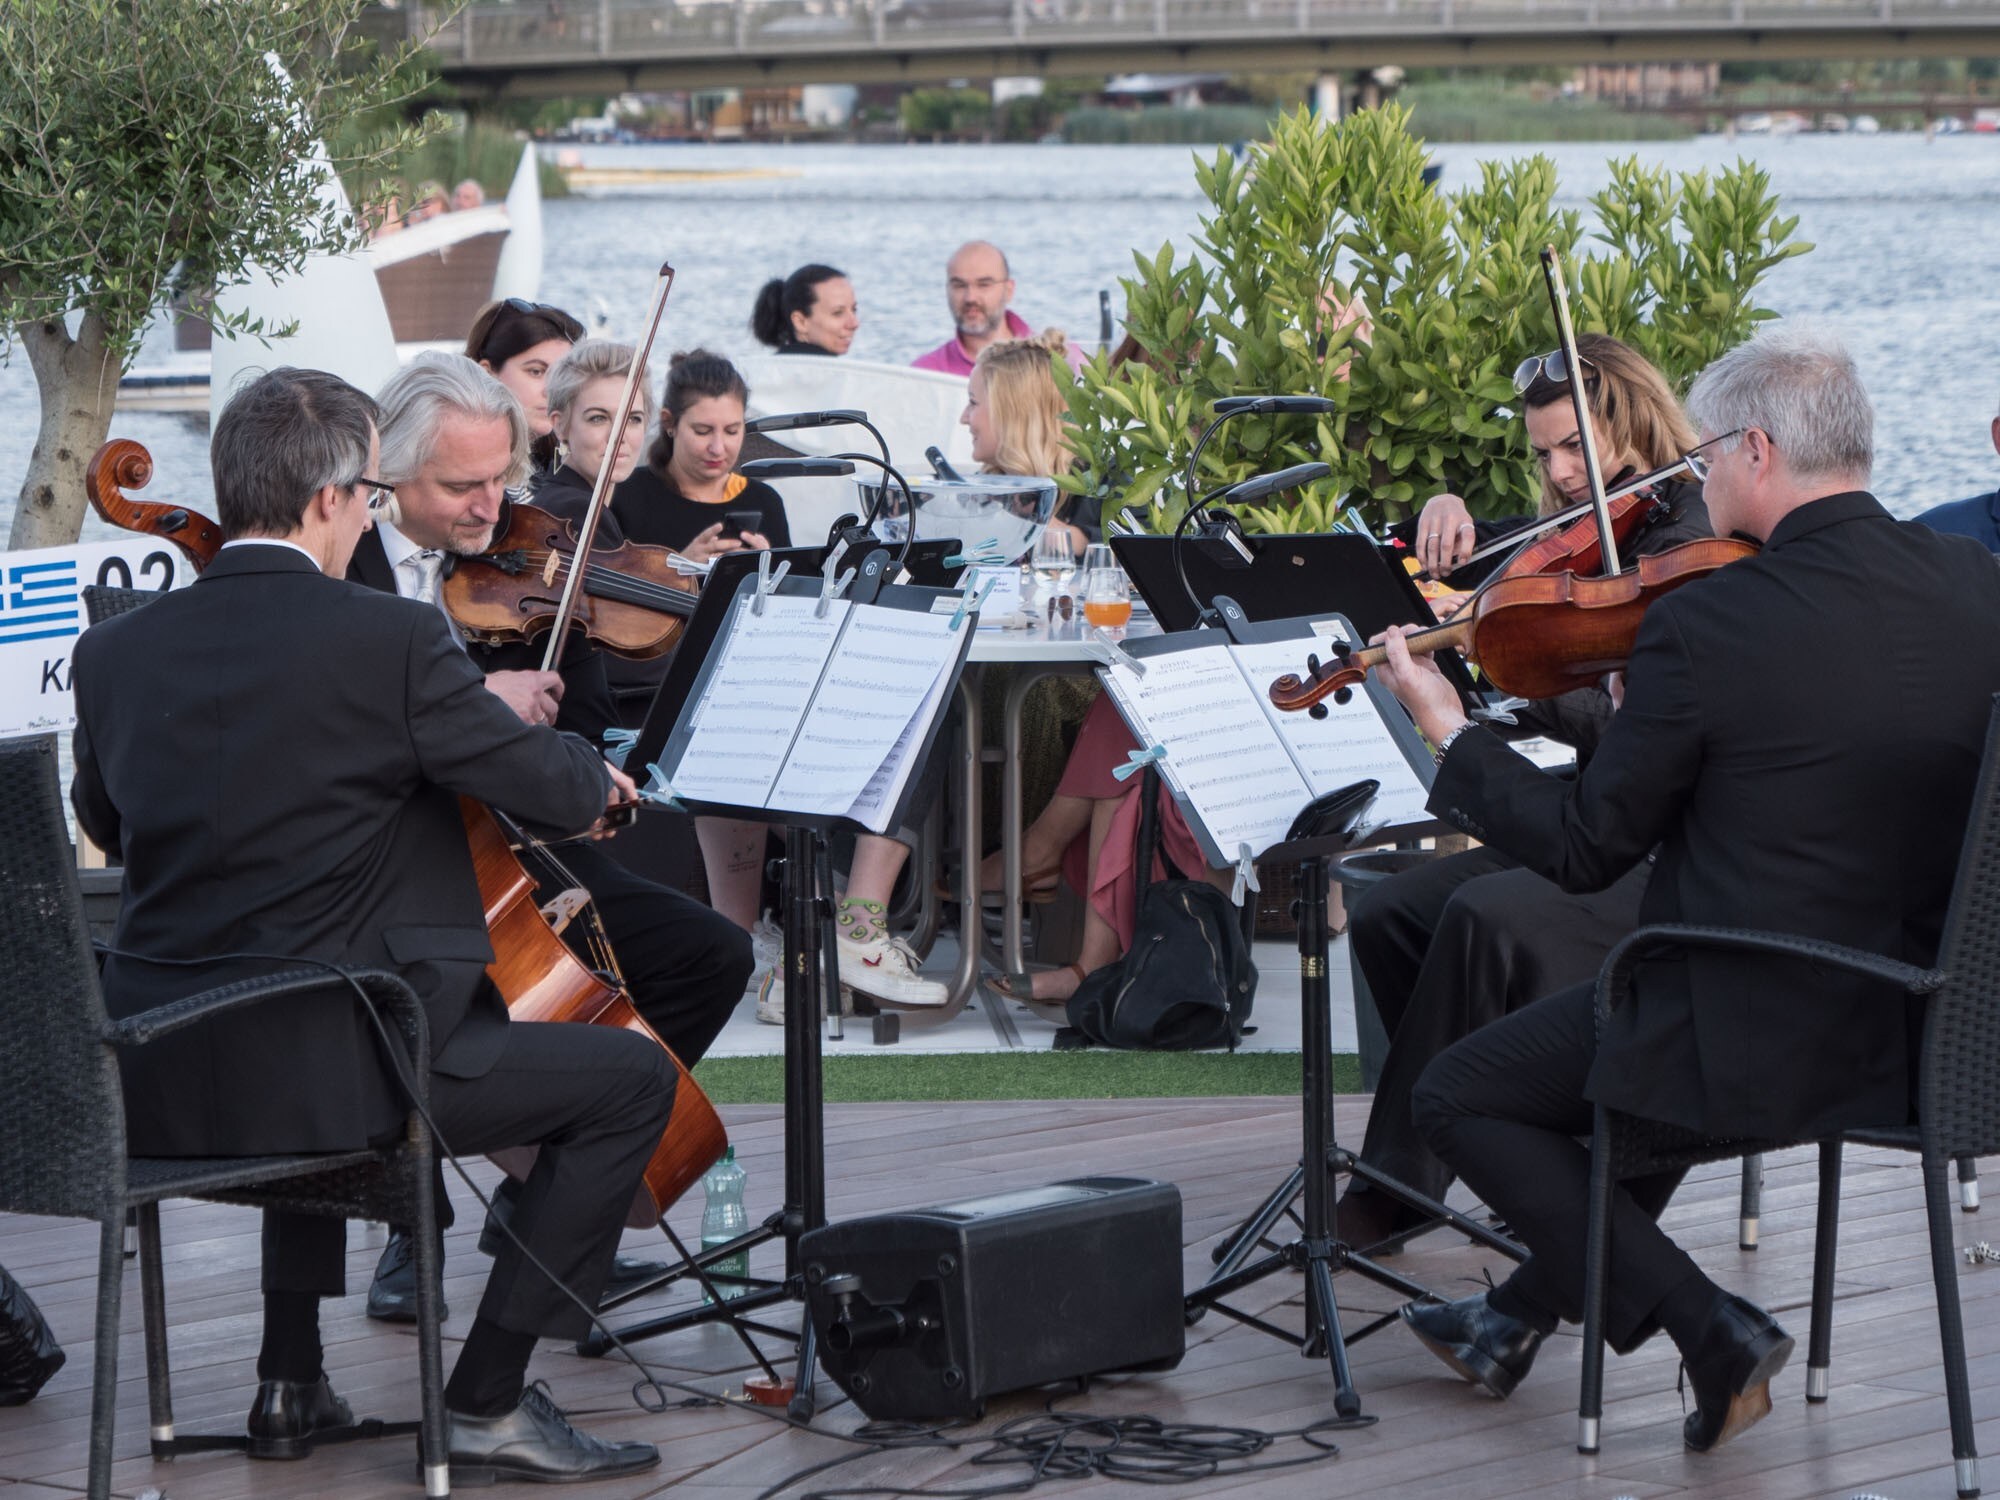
(518, 342)
(1462, 940)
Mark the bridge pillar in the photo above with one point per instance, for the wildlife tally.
(1328, 98)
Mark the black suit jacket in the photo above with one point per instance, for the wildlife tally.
(586, 709)
(1800, 737)
(277, 757)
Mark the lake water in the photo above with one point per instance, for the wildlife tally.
(1903, 268)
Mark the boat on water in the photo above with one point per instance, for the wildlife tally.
(413, 290)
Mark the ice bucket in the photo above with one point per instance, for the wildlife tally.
(1009, 510)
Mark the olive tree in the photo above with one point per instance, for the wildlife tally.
(150, 151)
(1323, 219)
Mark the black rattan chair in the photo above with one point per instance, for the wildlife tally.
(1958, 1110)
(63, 1150)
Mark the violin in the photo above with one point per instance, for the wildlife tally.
(630, 605)
(122, 463)
(532, 968)
(1534, 636)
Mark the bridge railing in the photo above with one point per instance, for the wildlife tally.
(568, 32)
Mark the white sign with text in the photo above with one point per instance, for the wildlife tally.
(41, 615)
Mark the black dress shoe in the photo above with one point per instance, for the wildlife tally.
(288, 1415)
(627, 1271)
(29, 1353)
(535, 1442)
(1731, 1369)
(392, 1295)
(1488, 1348)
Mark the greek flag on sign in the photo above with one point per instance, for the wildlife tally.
(39, 601)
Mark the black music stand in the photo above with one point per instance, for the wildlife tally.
(812, 984)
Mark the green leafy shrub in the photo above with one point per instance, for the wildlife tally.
(1452, 284)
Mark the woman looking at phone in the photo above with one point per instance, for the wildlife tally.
(688, 496)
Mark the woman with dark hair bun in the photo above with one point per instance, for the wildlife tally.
(518, 342)
(811, 311)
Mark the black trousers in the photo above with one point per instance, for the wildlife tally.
(1453, 945)
(685, 964)
(1505, 1108)
(596, 1100)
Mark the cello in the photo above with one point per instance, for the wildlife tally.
(533, 968)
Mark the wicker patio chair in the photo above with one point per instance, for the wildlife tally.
(1957, 1110)
(63, 1149)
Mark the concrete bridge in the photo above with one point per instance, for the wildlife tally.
(553, 47)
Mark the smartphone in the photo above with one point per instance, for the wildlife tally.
(736, 522)
(622, 814)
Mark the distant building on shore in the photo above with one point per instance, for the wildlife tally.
(1647, 85)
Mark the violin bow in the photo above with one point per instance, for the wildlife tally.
(600, 492)
(1552, 272)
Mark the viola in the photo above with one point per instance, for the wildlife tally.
(121, 464)
(631, 604)
(1534, 636)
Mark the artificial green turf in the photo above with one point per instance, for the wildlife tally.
(1024, 1075)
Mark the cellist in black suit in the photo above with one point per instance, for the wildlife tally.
(1798, 739)
(277, 756)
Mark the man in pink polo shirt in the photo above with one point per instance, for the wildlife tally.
(979, 288)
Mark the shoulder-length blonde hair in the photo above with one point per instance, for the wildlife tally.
(1633, 410)
(1028, 406)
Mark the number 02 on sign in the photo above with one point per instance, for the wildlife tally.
(42, 614)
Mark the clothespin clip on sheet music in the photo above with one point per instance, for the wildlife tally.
(830, 589)
(681, 563)
(970, 604)
(618, 744)
(1246, 874)
(986, 555)
(655, 789)
(1137, 761)
(1119, 656)
(767, 580)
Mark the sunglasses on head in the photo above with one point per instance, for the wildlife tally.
(547, 312)
(1554, 368)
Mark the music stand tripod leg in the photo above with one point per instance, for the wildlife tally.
(808, 913)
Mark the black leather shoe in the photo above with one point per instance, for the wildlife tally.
(1731, 1369)
(535, 1442)
(1488, 1348)
(288, 1415)
(29, 1353)
(392, 1295)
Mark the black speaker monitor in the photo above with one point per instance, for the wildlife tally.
(926, 1314)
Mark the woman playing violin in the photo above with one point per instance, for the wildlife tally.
(1459, 941)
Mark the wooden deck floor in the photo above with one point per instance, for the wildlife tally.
(1884, 1431)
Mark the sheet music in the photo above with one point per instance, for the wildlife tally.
(1223, 756)
(1350, 744)
(746, 721)
(877, 678)
(878, 799)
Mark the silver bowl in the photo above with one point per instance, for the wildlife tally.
(1008, 510)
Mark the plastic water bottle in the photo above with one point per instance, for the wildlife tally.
(723, 1218)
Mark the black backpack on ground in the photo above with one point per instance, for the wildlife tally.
(1186, 982)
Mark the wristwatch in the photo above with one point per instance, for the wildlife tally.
(1445, 744)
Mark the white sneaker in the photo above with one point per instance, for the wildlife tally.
(767, 948)
(884, 968)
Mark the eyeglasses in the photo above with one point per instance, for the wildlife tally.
(983, 284)
(380, 491)
(1698, 466)
(1553, 368)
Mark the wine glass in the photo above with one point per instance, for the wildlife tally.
(1107, 597)
(1054, 558)
(1096, 556)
